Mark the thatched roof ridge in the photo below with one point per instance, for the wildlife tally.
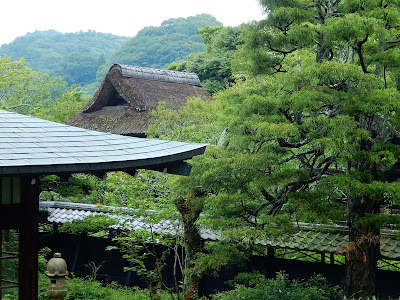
(128, 94)
(157, 74)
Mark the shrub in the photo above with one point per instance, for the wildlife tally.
(254, 286)
(80, 289)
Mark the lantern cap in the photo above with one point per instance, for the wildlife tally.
(56, 267)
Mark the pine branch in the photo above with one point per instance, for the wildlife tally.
(280, 51)
(393, 173)
(286, 144)
(358, 49)
(286, 28)
(391, 42)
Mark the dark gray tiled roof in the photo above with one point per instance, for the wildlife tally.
(30, 145)
(335, 240)
(157, 74)
(332, 239)
(62, 212)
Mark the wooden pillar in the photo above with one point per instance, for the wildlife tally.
(1, 261)
(29, 240)
(270, 253)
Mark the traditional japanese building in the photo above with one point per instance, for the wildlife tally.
(124, 100)
(31, 147)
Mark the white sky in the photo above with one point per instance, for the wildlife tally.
(119, 17)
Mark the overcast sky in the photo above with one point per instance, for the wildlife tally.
(120, 17)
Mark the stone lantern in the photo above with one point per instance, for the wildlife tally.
(56, 271)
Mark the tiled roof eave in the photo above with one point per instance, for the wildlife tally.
(148, 163)
(30, 145)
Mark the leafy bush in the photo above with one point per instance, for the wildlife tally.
(255, 286)
(78, 184)
(80, 289)
(91, 224)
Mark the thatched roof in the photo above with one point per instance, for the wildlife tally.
(124, 99)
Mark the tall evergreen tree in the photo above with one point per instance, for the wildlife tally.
(322, 125)
(313, 132)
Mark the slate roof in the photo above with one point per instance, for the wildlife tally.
(62, 212)
(30, 145)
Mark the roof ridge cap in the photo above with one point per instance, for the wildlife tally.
(158, 74)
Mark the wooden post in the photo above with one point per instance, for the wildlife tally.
(1, 261)
(332, 258)
(322, 257)
(29, 240)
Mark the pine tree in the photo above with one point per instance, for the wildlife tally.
(320, 127)
(311, 134)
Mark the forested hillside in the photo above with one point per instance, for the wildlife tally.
(85, 57)
(74, 56)
(157, 47)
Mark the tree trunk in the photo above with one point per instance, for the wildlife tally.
(192, 247)
(363, 250)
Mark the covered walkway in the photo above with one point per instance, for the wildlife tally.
(31, 147)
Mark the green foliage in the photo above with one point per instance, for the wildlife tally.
(77, 184)
(194, 122)
(25, 91)
(117, 189)
(42, 259)
(140, 246)
(81, 289)
(254, 286)
(94, 225)
(10, 266)
(78, 188)
(147, 190)
(213, 66)
(79, 68)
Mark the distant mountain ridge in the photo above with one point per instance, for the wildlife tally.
(85, 57)
(45, 50)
